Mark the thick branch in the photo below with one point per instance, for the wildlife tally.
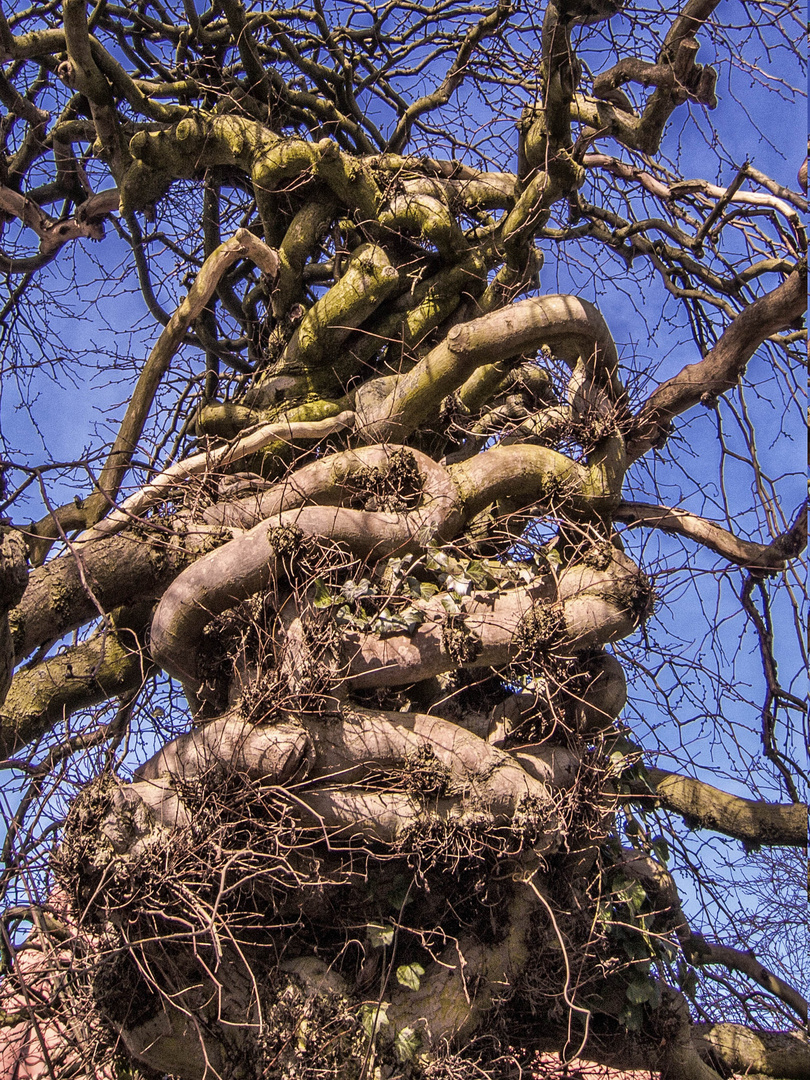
(86, 222)
(723, 365)
(752, 821)
(110, 664)
(531, 474)
(330, 759)
(117, 571)
(743, 552)
(597, 605)
(13, 582)
(220, 458)
(573, 328)
(82, 73)
(369, 279)
(587, 604)
(329, 482)
(242, 567)
(738, 1049)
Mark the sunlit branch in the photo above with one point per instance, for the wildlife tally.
(707, 807)
(723, 365)
(768, 557)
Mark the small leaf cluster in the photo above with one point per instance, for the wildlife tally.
(627, 919)
(386, 604)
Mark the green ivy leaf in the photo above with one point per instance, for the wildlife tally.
(414, 587)
(632, 1017)
(379, 935)
(407, 1044)
(409, 975)
(399, 895)
(322, 598)
(437, 560)
(354, 590)
(638, 993)
(461, 586)
(373, 1016)
(388, 622)
(478, 575)
(635, 947)
(634, 896)
(666, 949)
(624, 754)
(412, 619)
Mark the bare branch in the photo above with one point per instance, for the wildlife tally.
(242, 245)
(723, 365)
(769, 557)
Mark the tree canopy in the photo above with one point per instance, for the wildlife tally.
(401, 572)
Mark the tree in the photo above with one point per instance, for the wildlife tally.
(449, 580)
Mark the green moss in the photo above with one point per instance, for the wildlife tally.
(141, 187)
(158, 552)
(369, 279)
(307, 411)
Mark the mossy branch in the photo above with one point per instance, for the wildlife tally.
(110, 664)
(427, 217)
(302, 237)
(754, 821)
(369, 279)
(571, 327)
